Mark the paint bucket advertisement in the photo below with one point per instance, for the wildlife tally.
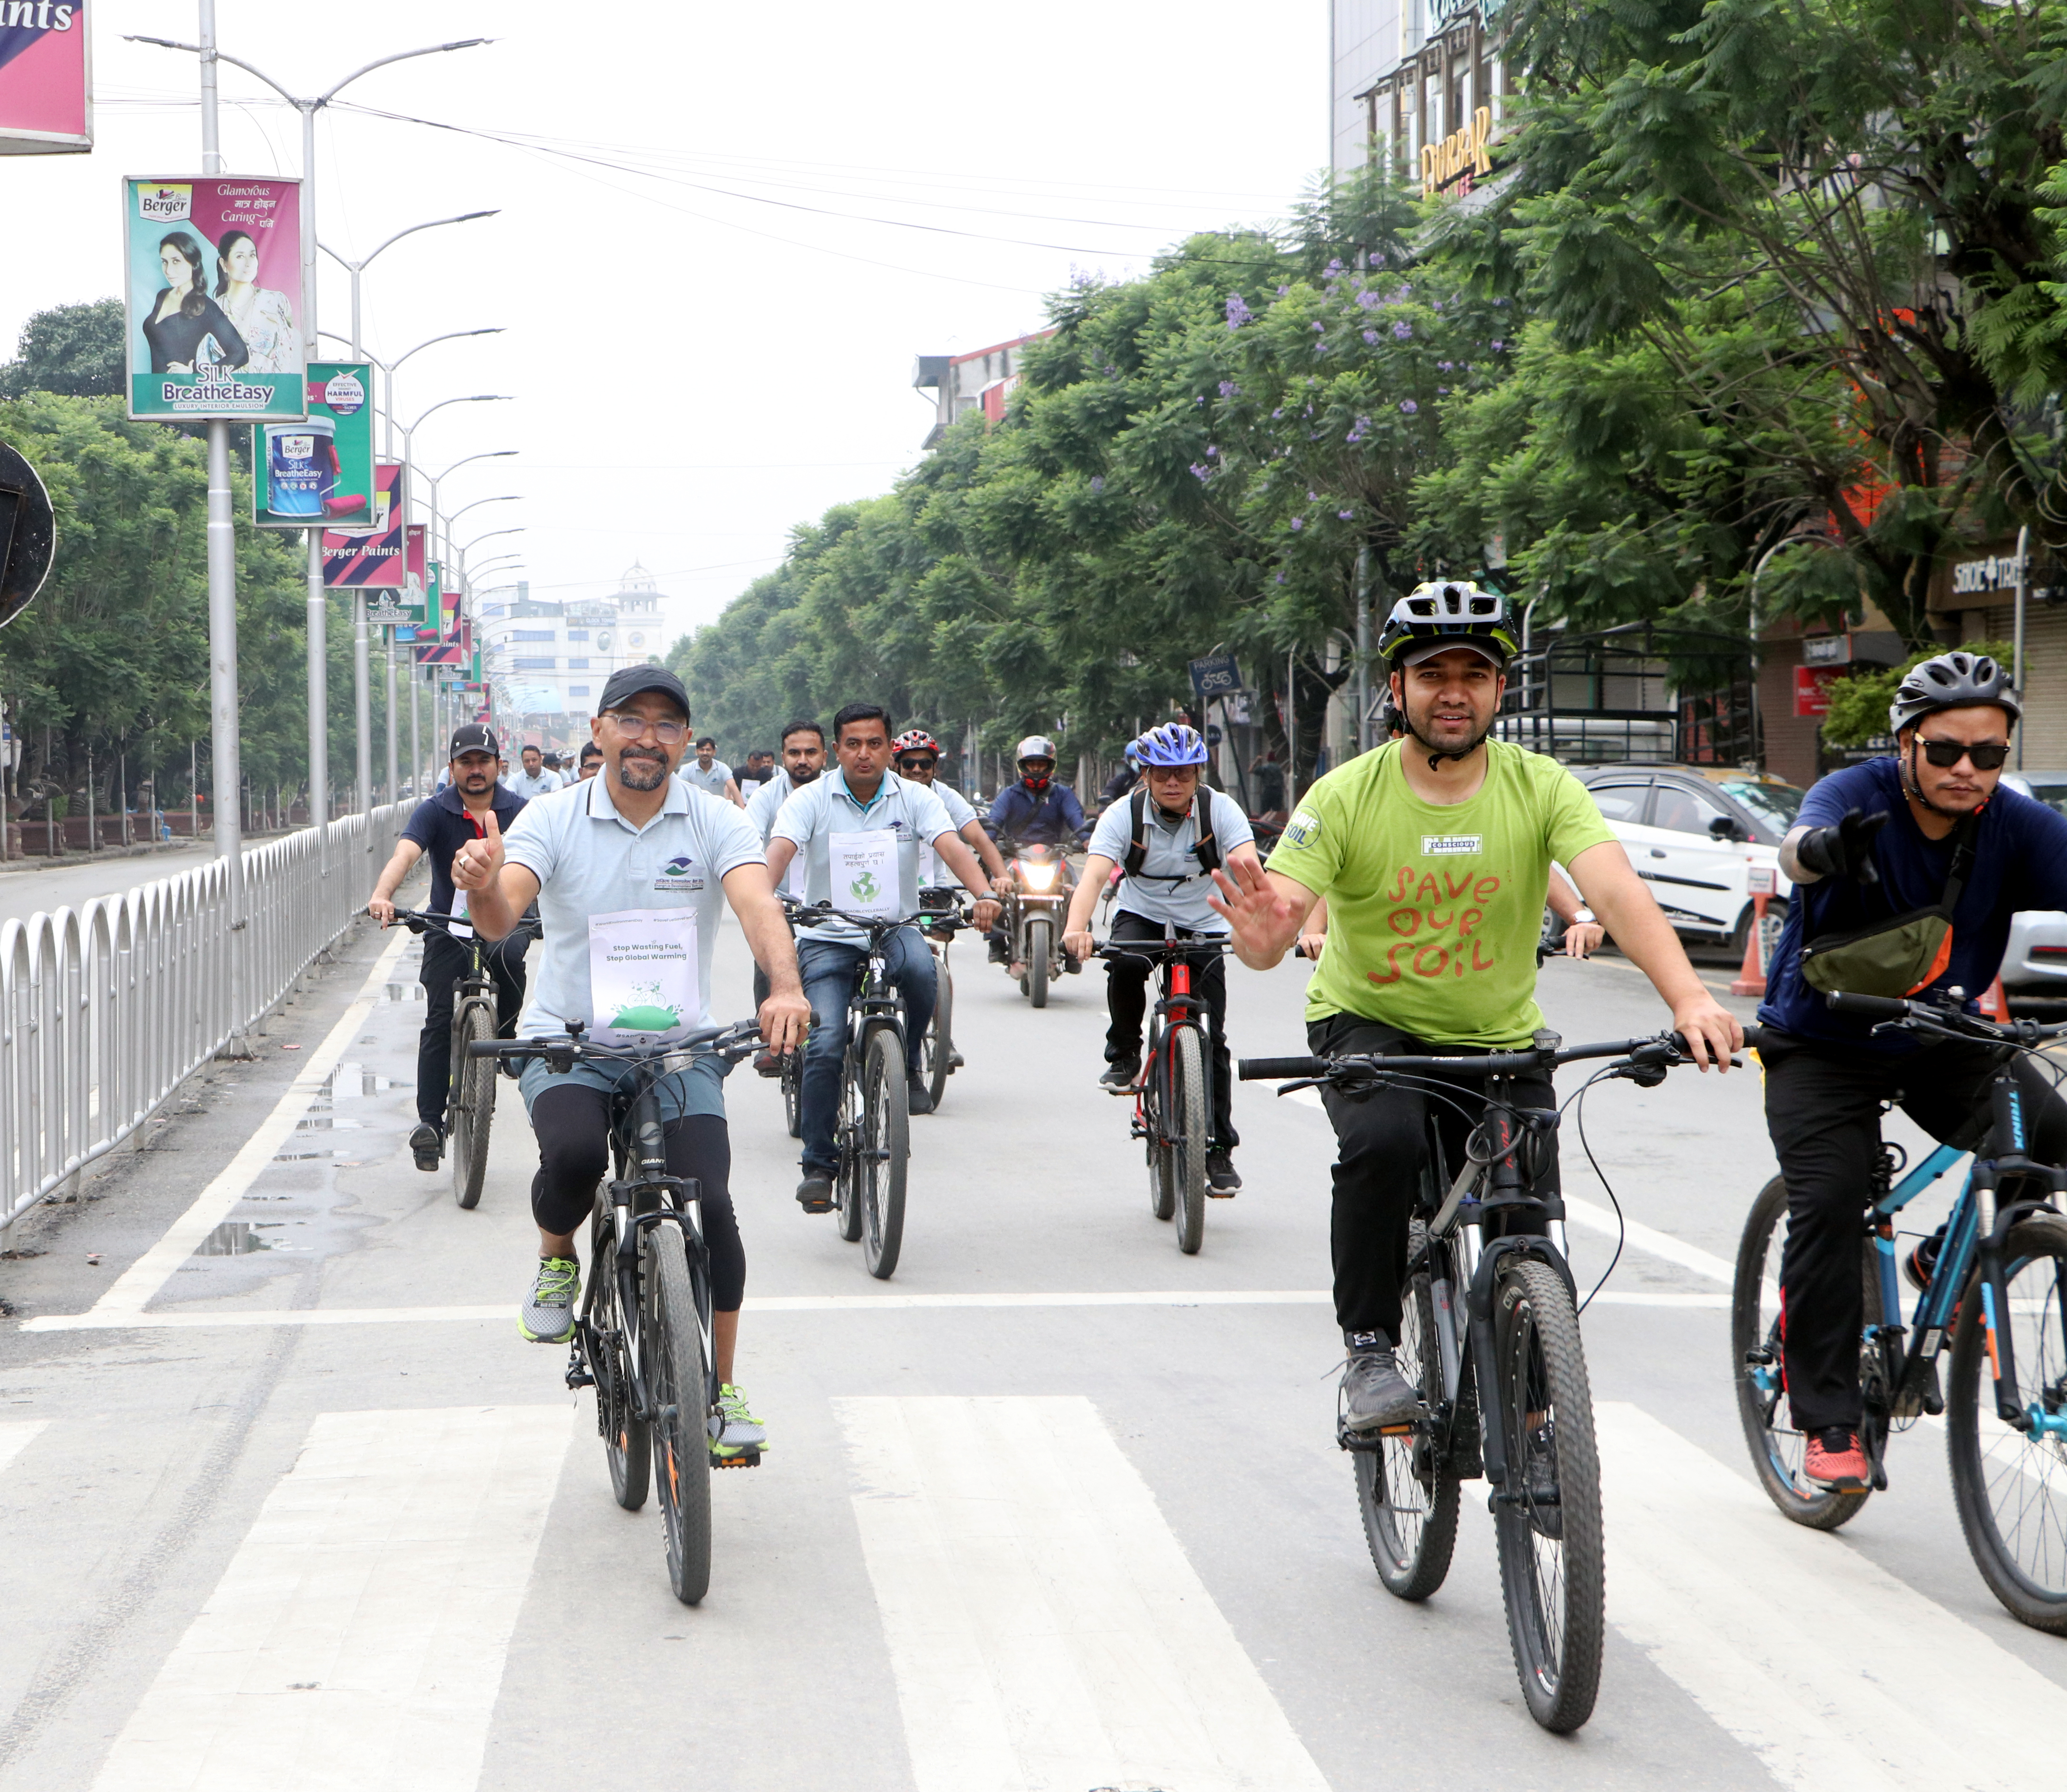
(374, 559)
(46, 80)
(319, 471)
(214, 294)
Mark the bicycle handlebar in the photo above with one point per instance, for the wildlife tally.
(1895, 1011)
(1662, 1051)
(420, 921)
(733, 1040)
(1157, 948)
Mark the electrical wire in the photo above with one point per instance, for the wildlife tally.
(1578, 1104)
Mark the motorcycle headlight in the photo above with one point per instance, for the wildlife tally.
(1039, 877)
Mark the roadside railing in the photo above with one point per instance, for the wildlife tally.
(105, 1010)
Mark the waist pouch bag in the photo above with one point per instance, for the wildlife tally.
(1897, 956)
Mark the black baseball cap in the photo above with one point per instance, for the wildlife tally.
(628, 682)
(473, 737)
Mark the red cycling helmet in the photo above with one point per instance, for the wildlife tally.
(915, 740)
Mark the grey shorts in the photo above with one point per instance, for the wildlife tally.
(697, 1090)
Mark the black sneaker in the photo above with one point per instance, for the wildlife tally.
(814, 1194)
(1122, 1076)
(1539, 1480)
(1222, 1178)
(1375, 1396)
(918, 1096)
(427, 1145)
(1920, 1265)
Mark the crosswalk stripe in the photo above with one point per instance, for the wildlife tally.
(1044, 1625)
(16, 1436)
(1828, 1669)
(357, 1637)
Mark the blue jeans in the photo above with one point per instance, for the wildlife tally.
(828, 966)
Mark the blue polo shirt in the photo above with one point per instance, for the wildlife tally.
(442, 826)
(2019, 862)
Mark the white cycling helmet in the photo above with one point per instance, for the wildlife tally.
(1034, 746)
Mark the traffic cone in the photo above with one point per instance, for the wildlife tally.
(1996, 1004)
(1751, 978)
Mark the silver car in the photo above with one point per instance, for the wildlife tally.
(2035, 960)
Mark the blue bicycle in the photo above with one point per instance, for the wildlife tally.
(1996, 1298)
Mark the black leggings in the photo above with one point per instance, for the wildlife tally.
(572, 1122)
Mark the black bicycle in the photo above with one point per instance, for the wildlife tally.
(1487, 1236)
(872, 1133)
(470, 1099)
(1997, 1299)
(942, 913)
(643, 1339)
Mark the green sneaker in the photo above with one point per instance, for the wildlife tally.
(737, 1438)
(546, 1314)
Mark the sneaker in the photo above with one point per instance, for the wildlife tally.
(1836, 1462)
(767, 1064)
(1375, 1395)
(1917, 1266)
(546, 1314)
(1222, 1178)
(1546, 1516)
(1000, 952)
(918, 1096)
(426, 1144)
(814, 1194)
(737, 1438)
(1122, 1076)
(956, 1060)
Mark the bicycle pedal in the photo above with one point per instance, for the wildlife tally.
(748, 1458)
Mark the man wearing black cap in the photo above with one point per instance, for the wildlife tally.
(460, 812)
(632, 873)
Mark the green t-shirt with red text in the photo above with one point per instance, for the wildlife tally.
(1435, 909)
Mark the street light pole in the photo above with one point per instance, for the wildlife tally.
(1757, 754)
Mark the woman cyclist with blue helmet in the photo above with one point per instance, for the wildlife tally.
(1167, 837)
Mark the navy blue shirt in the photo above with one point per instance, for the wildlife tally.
(442, 826)
(1046, 820)
(2019, 862)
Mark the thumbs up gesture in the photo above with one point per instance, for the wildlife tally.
(479, 862)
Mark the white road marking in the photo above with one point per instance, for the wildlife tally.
(132, 1290)
(357, 1637)
(1830, 1670)
(16, 1436)
(1044, 1625)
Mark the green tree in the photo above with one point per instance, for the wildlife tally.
(76, 350)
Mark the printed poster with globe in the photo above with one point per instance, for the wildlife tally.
(319, 472)
(213, 293)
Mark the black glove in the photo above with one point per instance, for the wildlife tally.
(1843, 851)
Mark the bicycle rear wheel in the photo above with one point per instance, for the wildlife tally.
(792, 1092)
(940, 1045)
(885, 1145)
(679, 1383)
(1778, 1448)
(846, 1178)
(2011, 1486)
(1409, 1499)
(1548, 1516)
(1162, 1186)
(471, 1108)
(625, 1440)
(1039, 950)
(1189, 1125)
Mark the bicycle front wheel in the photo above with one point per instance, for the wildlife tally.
(1548, 1516)
(1778, 1448)
(1189, 1125)
(472, 1105)
(2011, 1486)
(1408, 1499)
(679, 1383)
(939, 1044)
(885, 1145)
(627, 1442)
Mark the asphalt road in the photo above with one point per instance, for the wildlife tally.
(23, 894)
(1058, 1508)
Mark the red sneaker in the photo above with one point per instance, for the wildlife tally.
(1836, 1461)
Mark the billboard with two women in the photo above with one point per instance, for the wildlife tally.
(214, 294)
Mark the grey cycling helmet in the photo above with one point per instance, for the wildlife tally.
(1955, 680)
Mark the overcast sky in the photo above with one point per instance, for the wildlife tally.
(723, 237)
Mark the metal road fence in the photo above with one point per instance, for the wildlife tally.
(106, 1010)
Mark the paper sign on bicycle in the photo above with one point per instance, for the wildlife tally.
(457, 928)
(864, 879)
(642, 975)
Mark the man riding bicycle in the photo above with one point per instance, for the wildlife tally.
(440, 825)
(631, 871)
(1433, 852)
(859, 830)
(918, 755)
(534, 780)
(1877, 848)
(1169, 837)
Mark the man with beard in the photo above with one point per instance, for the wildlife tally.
(1432, 852)
(460, 812)
(632, 873)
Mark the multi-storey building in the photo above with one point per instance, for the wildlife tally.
(1419, 81)
(548, 659)
(983, 378)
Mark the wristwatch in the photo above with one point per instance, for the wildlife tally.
(1584, 919)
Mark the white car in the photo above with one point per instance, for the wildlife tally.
(2035, 960)
(1696, 834)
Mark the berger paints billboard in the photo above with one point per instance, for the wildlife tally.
(46, 78)
(320, 471)
(370, 559)
(213, 295)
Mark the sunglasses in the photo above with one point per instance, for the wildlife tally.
(917, 763)
(1946, 754)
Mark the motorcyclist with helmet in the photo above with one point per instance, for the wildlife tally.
(1926, 828)
(1169, 837)
(1033, 811)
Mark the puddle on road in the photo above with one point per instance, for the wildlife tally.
(404, 992)
(234, 1237)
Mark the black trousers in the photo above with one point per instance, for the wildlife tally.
(1381, 1148)
(444, 963)
(1823, 1107)
(1126, 1006)
(572, 1123)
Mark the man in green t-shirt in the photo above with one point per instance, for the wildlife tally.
(1433, 852)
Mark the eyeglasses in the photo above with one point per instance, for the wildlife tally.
(630, 726)
(1946, 754)
(917, 764)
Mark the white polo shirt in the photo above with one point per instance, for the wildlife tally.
(908, 814)
(589, 861)
(932, 868)
(714, 781)
(1171, 887)
(762, 807)
(531, 789)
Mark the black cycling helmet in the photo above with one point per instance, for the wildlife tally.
(1433, 618)
(1955, 680)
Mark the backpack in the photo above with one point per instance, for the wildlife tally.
(1206, 849)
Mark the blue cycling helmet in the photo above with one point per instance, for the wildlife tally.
(1173, 743)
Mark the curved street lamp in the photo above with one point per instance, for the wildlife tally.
(1810, 540)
